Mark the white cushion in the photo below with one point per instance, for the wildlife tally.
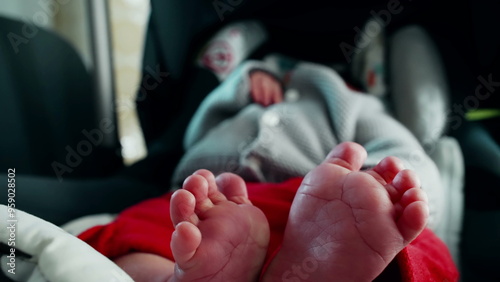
(56, 254)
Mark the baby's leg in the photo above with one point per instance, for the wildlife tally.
(219, 235)
(144, 267)
(348, 225)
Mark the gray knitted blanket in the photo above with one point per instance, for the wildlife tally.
(272, 144)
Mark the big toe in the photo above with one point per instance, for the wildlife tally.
(233, 187)
(323, 180)
(349, 155)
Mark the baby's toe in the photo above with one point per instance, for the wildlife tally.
(182, 205)
(405, 180)
(185, 241)
(413, 195)
(213, 193)
(412, 210)
(388, 168)
(414, 213)
(349, 155)
(198, 186)
(233, 187)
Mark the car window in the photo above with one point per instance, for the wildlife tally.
(108, 36)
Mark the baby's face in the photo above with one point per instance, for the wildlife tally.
(265, 89)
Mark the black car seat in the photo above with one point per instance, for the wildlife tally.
(48, 108)
(53, 135)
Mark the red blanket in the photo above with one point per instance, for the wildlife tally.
(147, 227)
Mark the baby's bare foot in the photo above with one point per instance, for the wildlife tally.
(347, 225)
(219, 235)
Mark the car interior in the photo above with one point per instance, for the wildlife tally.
(438, 71)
